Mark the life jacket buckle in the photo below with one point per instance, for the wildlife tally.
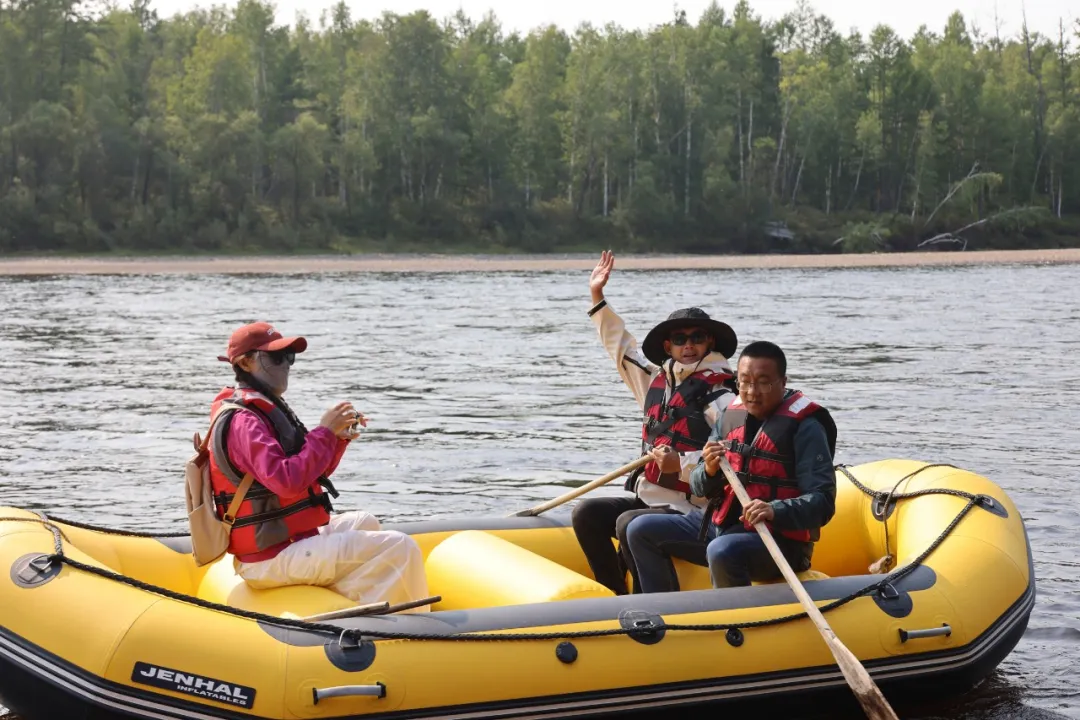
(328, 486)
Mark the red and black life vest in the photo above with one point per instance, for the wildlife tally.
(265, 520)
(679, 420)
(766, 464)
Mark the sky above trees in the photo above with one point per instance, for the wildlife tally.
(904, 17)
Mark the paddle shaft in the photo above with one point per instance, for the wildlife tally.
(866, 691)
(577, 492)
(369, 609)
(380, 608)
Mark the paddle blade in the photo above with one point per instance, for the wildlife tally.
(866, 690)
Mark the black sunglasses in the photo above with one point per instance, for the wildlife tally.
(697, 337)
(282, 356)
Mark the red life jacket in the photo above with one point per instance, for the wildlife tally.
(266, 522)
(679, 422)
(766, 464)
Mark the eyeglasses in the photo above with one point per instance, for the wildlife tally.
(281, 356)
(697, 337)
(763, 386)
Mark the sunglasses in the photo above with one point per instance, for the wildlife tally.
(281, 356)
(697, 337)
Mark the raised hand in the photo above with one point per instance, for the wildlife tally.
(600, 275)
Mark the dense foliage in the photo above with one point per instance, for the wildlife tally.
(220, 131)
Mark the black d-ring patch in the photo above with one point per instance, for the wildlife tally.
(646, 628)
(350, 657)
(991, 505)
(880, 510)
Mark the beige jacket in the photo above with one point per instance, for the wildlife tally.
(638, 374)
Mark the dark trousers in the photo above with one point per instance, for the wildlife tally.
(735, 556)
(596, 522)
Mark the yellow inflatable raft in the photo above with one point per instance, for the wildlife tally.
(123, 626)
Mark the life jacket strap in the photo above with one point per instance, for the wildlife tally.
(328, 486)
(748, 452)
(278, 514)
(706, 518)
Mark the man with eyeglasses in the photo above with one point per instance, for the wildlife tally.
(681, 379)
(781, 445)
(284, 533)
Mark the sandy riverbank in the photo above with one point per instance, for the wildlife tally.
(494, 263)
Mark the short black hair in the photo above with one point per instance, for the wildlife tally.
(766, 349)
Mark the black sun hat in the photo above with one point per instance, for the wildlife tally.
(725, 340)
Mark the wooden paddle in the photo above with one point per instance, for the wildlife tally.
(379, 608)
(576, 492)
(866, 691)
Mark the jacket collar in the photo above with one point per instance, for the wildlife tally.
(714, 362)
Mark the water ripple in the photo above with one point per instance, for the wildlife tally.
(490, 392)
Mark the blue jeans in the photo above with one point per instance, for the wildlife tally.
(734, 557)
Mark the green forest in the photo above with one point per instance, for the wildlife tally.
(222, 131)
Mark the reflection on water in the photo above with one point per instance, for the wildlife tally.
(489, 392)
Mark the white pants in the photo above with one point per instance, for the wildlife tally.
(352, 557)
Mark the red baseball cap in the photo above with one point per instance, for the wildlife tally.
(260, 336)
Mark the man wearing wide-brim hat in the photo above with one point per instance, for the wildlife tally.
(681, 379)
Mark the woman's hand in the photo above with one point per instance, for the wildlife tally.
(342, 420)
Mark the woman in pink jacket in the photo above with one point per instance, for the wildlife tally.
(284, 533)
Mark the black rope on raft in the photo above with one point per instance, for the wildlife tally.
(58, 556)
(122, 533)
(887, 499)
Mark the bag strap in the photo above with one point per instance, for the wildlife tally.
(245, 483)
(238, 499)
(200, 443)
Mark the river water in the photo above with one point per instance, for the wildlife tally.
(488, 392)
